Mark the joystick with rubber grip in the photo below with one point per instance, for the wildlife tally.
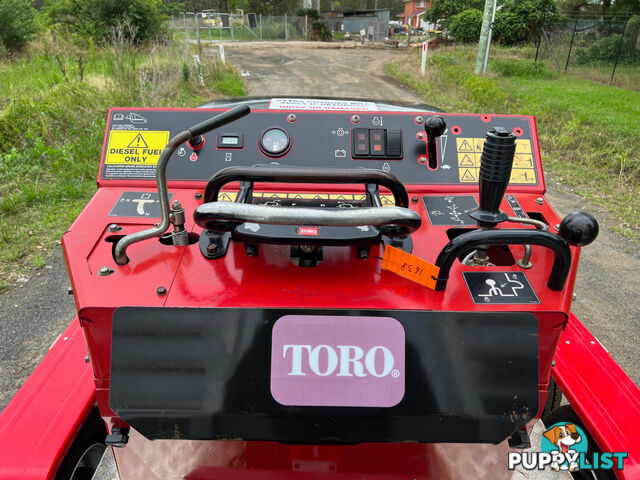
(495, 172)
(434, 127)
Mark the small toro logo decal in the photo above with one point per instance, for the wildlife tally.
(340, 361)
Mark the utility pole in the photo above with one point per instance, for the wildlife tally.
(485, 36)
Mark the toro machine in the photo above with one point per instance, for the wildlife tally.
(315, 288)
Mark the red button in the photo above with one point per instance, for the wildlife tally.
(377, 147)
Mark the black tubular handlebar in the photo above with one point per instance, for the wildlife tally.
(466, 242)
(306, 175)
(219, 120)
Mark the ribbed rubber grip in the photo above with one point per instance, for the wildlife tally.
(495, 171)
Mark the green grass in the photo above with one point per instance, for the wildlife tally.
(52, 122)
(589, 132)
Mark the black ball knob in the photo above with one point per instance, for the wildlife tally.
(435, 126)
(579, 229)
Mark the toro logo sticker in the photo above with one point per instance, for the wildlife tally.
(339, 361)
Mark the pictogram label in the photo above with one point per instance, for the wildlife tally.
(127, 147)
(470, 151)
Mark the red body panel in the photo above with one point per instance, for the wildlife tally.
(270, 280)
(41, 421)
(603, 396)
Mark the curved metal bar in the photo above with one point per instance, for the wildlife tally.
(272, 174)
(161, 178)
(476, 238)
(225, 216)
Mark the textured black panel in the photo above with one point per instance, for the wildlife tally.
(318, 140)
(204, 374)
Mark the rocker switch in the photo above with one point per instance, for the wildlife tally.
(394, 142)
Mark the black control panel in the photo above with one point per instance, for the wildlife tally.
(394, 142)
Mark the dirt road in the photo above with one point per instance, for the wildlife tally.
(34, 312)
(280, 70)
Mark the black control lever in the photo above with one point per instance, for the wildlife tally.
(434, 127)
(495, 171)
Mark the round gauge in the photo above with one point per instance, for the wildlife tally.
(275, 142)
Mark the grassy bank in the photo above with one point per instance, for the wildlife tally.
(53, 108)
(589, 132)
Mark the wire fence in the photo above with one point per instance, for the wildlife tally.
(603, 48)
(251, 27)
(213, 26)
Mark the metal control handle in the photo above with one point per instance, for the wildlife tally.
(225, 216)
(267, 173)
(161, 177)
(469, 241)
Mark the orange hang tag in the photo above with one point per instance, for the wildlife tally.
(409, 266)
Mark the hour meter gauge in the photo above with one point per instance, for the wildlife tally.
(275, 142)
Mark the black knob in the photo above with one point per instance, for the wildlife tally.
(196, 142)
(434, 127)
(579, 229)
(495, 171)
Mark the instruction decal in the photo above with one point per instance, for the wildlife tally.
(137, 204)
(450, 210)
(491, 288)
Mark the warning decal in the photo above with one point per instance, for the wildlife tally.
(470, 151)
(127, 147)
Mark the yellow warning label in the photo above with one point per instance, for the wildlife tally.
(523, 175)
(523, 146)
(522, 161)
(468, 174)
(468, 160)
(127, 147)
(386, 200)
(465, 144)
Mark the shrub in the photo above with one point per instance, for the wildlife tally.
(465, 26)
(319, 31)
(97, 18)
(17, 24)
(519, 21)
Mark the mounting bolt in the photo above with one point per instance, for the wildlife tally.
(422, 160)
(557, 226)
(355, 118)
(419, 120)
(414, 199)
(553, 364)
(250, 251)
(539, 200)
(86, 359)
(573, 297)
(176, 205)
(198, 196)
(69, 291)
(292, 117)
(212, 249)
(363, 253)
(104, 271)
(161, 291)
(114, 227)
(420, 135)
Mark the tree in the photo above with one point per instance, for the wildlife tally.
(17, 24)
(96, 18)
(446, 9)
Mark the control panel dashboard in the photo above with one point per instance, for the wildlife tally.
(395, 142)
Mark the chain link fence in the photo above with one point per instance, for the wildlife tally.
(213, 26)
(229, 27)
(603, 49)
